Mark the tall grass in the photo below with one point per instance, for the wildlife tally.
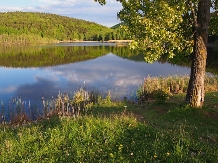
(177, 84)
(163, 87)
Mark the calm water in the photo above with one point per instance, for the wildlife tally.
(36, 71)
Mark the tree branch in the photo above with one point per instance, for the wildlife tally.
(193, 13)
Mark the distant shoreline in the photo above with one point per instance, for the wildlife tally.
(109, 41)
(209, 45)
(67, 41)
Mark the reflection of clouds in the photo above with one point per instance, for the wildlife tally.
(8, 89)
(72, 76)
(108, 72)
(111, 73)
(128, 81)
(35, 91)
(49, 76)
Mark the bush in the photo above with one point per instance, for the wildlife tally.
(160, 96)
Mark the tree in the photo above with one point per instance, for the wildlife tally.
(171, 27)
(195, 93)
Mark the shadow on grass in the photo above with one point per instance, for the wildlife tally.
(114, 133)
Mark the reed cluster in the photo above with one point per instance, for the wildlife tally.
(160, 88)
(20, 111)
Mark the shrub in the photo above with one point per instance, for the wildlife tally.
(160, 96)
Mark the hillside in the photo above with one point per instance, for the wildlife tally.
(117, 26)
(34, 27)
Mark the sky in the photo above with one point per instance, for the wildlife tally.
(81, 9)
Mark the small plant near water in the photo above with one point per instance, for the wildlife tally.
(160, 96)
(80, 103)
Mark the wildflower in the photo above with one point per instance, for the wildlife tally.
(155, 156)
(168, 153)
(131, 154)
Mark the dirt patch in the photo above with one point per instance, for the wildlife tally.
(212, 114)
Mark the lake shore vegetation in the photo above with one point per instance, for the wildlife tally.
(104, 130)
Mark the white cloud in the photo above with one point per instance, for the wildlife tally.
(82, 9)
(6, 9)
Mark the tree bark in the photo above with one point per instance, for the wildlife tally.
(195, 92)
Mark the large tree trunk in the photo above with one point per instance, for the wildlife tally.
(195, 93)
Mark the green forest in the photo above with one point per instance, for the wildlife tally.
(34, 27)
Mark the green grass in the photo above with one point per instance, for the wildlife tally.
(170, 132)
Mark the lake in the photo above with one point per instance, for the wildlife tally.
(33, 72)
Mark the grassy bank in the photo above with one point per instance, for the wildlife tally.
(119, 132)
(87, 128)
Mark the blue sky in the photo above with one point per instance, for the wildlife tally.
(82, 9)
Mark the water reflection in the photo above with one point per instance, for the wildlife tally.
(33, 72)
(109, 72)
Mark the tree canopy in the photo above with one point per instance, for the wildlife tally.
(161, 26)
(172, 27)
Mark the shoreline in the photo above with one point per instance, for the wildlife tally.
(65, 41)
(109, 41)
(209, 45)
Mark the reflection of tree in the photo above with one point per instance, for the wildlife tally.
(212, 61)
(180, 60)
(185, 61)
(49, 56)
(34, 56)
(126, 53)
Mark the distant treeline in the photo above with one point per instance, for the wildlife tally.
(31, 27)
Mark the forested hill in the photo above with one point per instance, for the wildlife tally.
(34, 27)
